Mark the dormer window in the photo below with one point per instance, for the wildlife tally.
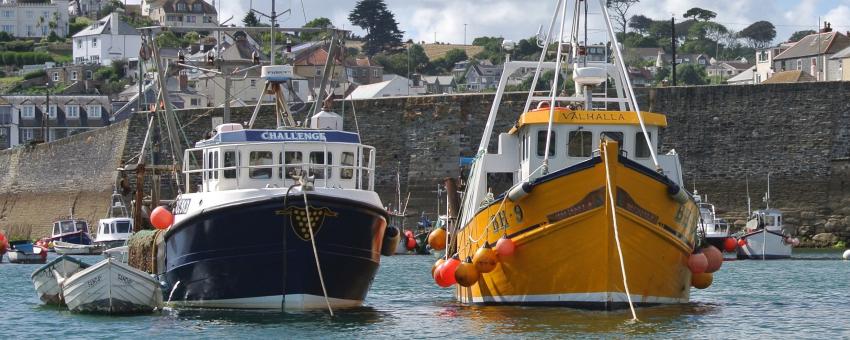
(181, 7)
(197, 7)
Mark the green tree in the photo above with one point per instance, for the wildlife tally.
(697, 13)
(620, 9)
(640, 23)
(191, 37)
(492, 49)
(691, 74)
(800, 35)
(168, 39)
(411, 60)
(251, 20)
(446, 63)
(316, 23)
(759, 35)
(382, 31)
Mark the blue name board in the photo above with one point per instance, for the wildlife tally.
(282, 136)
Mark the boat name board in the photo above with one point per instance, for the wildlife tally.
(125, 280)
(93, 281)
(283, 136)
(593, 116)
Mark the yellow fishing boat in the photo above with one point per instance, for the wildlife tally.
(597, 218)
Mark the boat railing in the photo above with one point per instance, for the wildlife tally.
(361, 173)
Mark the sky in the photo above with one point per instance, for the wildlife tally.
(423, 20)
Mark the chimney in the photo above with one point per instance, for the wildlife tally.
(113, 23)
(184, 81)
(827, 27)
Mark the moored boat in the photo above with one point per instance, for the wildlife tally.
(71, 230)
(24, 252)
(67, 248)
(45, 278)
(117, 227)
(715, 230)
(763, 238)
(597, 219)
(111, 287)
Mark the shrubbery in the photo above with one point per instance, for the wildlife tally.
(23, 58)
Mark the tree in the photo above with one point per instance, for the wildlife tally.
(800, 35)
(759, 35)
(399, 63)
(251, 20)
(621, 10)
(697, 13)
(168, 39)
(316, 23)
(447, 62)
(640, 23)
(382, 31)
(691, 74)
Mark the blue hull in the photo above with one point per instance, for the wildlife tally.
(237, 253)
(75, 238)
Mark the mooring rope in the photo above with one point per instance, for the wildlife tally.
(616, 232)
(315, 253)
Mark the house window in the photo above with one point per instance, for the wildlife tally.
(580, 144)
(318, 71)
(191, 19)
(93, 111)
(55, 76)
(51, 112)
(197, 7)
(541, 143)
(376, 73)
(27, 135)
(181, 7)
(8, 14)
(260, 158)
(73, 75)
(641, 149)
(253, 82)
(194, 102)
(28, 112)
(88, 74)
(93, 42)
(9, 29)
(72, 111)
(207, 19)
(79, 43)
(171, 18)
(800, 64)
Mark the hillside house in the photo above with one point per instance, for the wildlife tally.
(66, 115)
(812, 55)
(27, 19)
(106, 40)
(176, 13)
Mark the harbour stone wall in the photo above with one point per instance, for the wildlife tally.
(728, 137)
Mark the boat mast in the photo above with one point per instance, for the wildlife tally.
(767, 195)
(749, 207)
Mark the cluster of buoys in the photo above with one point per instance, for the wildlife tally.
(793, 241)
(467, 272)
(161, 218)
(437, 239)
(703, 263)
(410, 243)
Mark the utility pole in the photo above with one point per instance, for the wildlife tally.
(673, 42)
(45, 115)
(464, 34)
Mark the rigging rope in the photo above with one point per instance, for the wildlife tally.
(554, 89)
(316, 253)
(616, 231)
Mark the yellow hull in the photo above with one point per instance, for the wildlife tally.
(566, 253)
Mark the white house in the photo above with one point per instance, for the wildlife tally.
(106, 40)
(174, 13)
(34, 20)
(395, 87)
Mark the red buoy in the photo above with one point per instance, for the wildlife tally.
(411, 243)
(729, 244)
(714, 257)
(161, 218)
(697, 263)
(742, 243)
(446, 272)
(505, 247)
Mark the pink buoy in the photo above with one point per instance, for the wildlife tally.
(697, 263)
(505, 247)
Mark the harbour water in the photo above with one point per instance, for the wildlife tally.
(805, 297)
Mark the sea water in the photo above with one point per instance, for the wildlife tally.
(804, 297)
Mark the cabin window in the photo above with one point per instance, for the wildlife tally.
(293, 157)
(346, 161)
(318, 157)
(122, 227)
(769, 220)
(614, 135)
(580, 144)
(541, 143)
(55, 228)
(230, 161)
(641, 148)
(105, 229)
(212, 163)
(260, 158)
(82, 226)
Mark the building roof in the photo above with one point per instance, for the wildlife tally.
(845, 53)
(372, 90)
(731, 65)
(170, 6)
(643, 52)
(106, 26)
(317, 57)
(442, 80)
(747, 76)
(795, 76)
(816, 44)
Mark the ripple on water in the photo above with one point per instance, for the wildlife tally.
(802, 297)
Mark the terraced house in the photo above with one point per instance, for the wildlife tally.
(175, 13)
(34, 19)
(31, 118)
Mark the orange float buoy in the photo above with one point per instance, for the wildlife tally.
(436, 265)
(466, 275)
(485, 259)
(729, 244)
(161, 218)
(742, 243)
(697, 263)
(410, 244)
(714, 257)
(505, 246)
(437, 239)
(702, 280)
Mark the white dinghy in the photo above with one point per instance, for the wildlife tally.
(46, 283)
(112, 287)
(67, 248)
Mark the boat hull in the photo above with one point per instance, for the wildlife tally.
(233, 257)
(111, 287)
(566, 253)
(761, 246)
(65, 248)
(26, 258)
(46, 284)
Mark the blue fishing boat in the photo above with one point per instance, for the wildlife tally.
(71, 230)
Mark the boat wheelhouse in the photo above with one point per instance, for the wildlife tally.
(71, 230)
(716, 230)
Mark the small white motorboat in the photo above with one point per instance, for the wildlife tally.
(117, 227)
(45, 281)
(119, 253)
(67, 248)
(112, 287)
(24, 252)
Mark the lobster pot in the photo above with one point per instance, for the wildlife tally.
(146, 251)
